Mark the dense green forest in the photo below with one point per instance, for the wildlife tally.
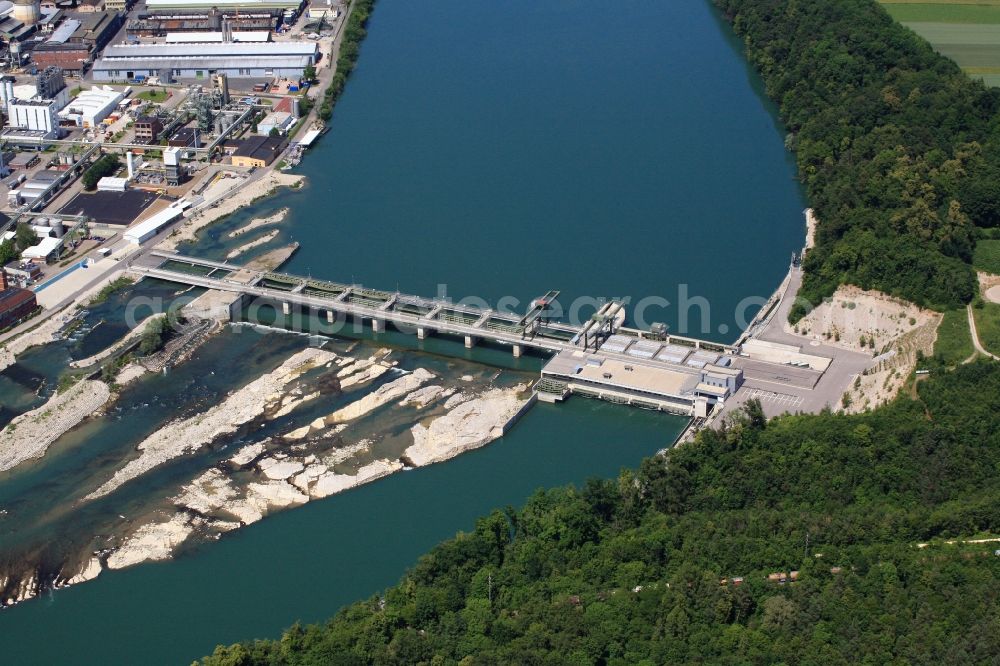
(642, 569)
(897, 148)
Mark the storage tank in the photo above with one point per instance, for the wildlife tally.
(6, 89)
(27, 12)
(58, 227)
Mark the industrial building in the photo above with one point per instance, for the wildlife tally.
(21, 273)
(68, 57)
(276, 121)
(237, 5)
(324, 9)
(201, 61)
(145, 230)
(15, 304)
(36, 115)
(92, 106)
(258, 151)
(71, 45)
(147, 128)
(49, 83)
(185, 137)
(162, 24)
(46, 249)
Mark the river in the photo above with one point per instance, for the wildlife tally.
(500, 150)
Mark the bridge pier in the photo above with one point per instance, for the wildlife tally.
(470, 341)
(517, 351)
(378, 325)
(286, 308)
(329, 316)
(421, 333)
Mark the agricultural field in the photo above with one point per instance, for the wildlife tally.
(966, 31)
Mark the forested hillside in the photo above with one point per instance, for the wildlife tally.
(642, 569)
(897, 148)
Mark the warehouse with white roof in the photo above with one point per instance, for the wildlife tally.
(92, 106)
(123, 62)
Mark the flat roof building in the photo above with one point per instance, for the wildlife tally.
(240, 5)
(147, 128)
(185, 137)
(200, 61)
(15, 305)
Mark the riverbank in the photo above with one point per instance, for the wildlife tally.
(252, 189)
(30, 434)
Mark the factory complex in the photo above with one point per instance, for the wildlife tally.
(119, 119)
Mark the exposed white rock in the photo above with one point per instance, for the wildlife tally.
(153, 541)
(246, 247)
(381, 396)
(251, 401)
(290, 403)
(424, 396)
(455, 400)
(129, 374)
(276, 469)
(248, 453)
(331, 483)
(364, 375)
(30, 434)
(208, 492)
(90, 572)
(468, 426)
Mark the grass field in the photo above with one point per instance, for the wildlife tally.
(988, 326)
(987, 256)
(954, 342)
(153, 95)
(943, 12)
(967, 31)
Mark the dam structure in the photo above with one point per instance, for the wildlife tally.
(600, 358)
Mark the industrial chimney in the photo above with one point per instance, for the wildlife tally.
(27, 12)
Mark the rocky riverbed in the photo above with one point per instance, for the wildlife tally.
(30, 434)
(317, 422)
(276, 474)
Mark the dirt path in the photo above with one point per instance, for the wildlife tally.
(975, 336)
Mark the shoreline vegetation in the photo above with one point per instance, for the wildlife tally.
(893, 143)
(347, 57)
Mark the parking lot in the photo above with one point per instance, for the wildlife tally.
(783, 400)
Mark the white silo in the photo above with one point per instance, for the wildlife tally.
(27, 12)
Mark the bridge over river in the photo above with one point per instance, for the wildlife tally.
(601, 357)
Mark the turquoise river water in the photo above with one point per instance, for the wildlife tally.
(500, 151)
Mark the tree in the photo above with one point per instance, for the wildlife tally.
(26, 236)
(8, 252)
(152, 336)
(105, 166)
(309, 73)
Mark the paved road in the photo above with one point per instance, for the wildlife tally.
(791, 389)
